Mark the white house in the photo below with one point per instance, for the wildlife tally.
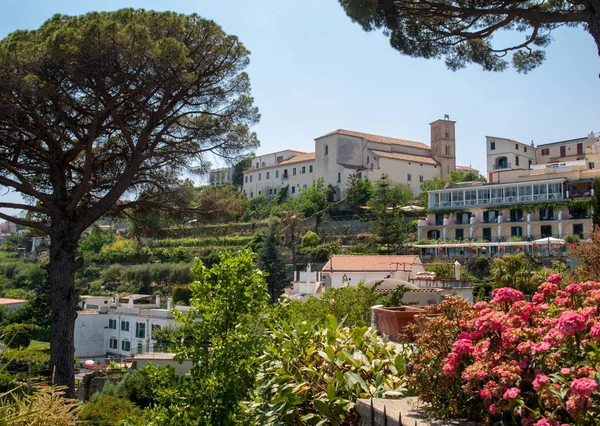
(121, 328)
(342, 153)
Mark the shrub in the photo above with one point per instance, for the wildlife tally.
(310, 239)
(47, 406)
(182, 294)
(104, 410)
(313, 374)
(18, 360)
(532, 362)
(432, 345)
(18, 335)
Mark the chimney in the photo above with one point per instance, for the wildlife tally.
(157, 300)
(169, 303)
(456, 270)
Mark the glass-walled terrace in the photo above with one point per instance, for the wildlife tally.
(498, 194)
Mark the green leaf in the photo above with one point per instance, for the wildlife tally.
(322, 408)
(331, 392)
(352, 379)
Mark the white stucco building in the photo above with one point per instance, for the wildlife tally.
(341, 153)
(121, 328)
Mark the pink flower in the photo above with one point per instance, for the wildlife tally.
(570, 322)
(480, 305)
(583, 387)
(485, 393)
(512, 393)
(537, 298)
(574, 289)
(595, 331)
(540, 347)
(565, 371)
(540, 379)
(554, 279)
(506, 294)
(493, 410)
(546, 422)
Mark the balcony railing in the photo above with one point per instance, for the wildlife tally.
(497, 201)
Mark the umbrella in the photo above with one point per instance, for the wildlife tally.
(549, 241)
(412, 208)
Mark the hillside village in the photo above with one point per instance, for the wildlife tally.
(160, 265)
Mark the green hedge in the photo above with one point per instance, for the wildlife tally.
(202, 242)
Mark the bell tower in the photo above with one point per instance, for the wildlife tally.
(443, 145)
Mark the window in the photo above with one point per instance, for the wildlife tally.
(252, 195)
(546, 231)
(263, 164)
(447, 150)
(112, 323)
(126, 345)
(516, 215)
(433, 234)
(112, 343)
(547, 214)
(326, 150)
(592, 165)
(285, 175)
(268, 175)
(279, 159)
(517, 146)
(579, 148)
(303, 169)
(578, 229)
(489, 216)
(250, 178)
(304, 187)
(125, 325)
(517, 160)
(439, 219)
(524, 149)
(310, 169)
(368, 160)
(339, 177)
(487, 234)
(276, 173)
(460, 234)
(409, 177)
(421, 178)
(463, 218)
(293, 189)
(270, 191)
(256, 165)
(294, 171)
(492, 146)
(259, 176)
(274, 190)
(563, 151)
(140, 348)
(545, 151)
(259, 192)
(516, 231)
(140, 330)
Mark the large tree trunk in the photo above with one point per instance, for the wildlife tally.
(63, 301)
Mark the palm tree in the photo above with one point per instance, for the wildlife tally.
(514, 270)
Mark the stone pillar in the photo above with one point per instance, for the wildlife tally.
(374, 318)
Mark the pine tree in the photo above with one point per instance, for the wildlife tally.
(271, 261)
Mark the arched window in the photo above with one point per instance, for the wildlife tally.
(326, 150)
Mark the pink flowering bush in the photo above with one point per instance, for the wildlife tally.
(534, 363)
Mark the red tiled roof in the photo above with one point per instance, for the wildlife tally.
(378, 139)
(466, 169)
(308, 156)
(88, 313)
(349, 263)
(5, 301)
(405, 157)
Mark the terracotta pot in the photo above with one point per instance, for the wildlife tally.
(392, 320)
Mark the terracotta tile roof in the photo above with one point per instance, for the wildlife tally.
(349, 263)
(308, 156)
(405, 157)
(88, 313)
(378, 139)
(4, 301)
(466, 169)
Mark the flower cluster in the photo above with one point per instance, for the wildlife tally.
(537, 360)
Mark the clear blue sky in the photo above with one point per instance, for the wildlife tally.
(314, 71)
